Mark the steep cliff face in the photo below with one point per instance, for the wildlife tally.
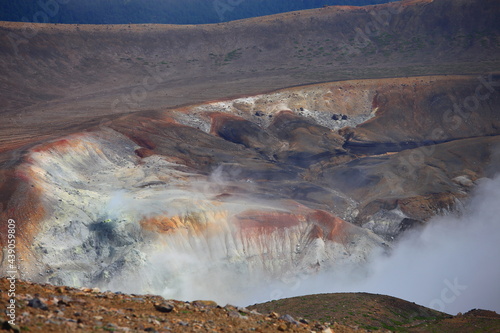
(252, 189)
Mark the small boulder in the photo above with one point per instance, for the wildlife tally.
(164, 307)
(5, 325)
(204, 304)
(289, 319)
(37, 304)
(282, 328)
(463, 181)
(273, 315)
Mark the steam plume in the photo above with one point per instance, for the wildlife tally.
(451, 266)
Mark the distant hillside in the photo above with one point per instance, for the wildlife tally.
(156, 11)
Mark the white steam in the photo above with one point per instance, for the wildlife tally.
(453, 265)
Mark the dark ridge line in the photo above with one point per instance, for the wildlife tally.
(373, 148)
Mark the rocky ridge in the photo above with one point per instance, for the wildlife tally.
(46, 308)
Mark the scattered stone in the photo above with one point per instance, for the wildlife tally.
(112, 326)
(70, 325)
(320, 327)
(233, 314)
(37, 304)
(61, 289)
(289, 319)
(243, 310)
(282, 327)
(5, 325)
(204, 304)
(274, 315)
(339, 117)
(64, 301)
(164, 307)
(463, 181)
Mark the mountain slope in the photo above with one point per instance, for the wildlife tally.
(157, 11)
(61, 76)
